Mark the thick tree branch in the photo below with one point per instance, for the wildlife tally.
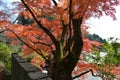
(63, 32)
(69, 38)
(27, 44)
(70, 22)
(90, 70)
(70, 14)
(66, 47)
(56, 43)
(77, 38)
(76, 45)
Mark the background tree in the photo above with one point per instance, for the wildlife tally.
(58, 41)
(95, 37)
(5, 56)
(105, 64)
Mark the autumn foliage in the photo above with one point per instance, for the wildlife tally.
(57, 29)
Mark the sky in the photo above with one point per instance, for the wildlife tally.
(105, 27)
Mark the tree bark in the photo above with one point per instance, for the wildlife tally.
(60, 72)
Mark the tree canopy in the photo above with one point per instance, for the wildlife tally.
(55, 30)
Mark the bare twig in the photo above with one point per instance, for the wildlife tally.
(38, 42)
(43, 43)
(15, 20)
(90, 70)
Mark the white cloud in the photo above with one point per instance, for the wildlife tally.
(105, 26)
(9, 1)
(12, 0)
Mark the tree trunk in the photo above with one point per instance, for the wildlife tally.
(60, 70)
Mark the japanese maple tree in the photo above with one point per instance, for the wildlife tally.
(55, 34)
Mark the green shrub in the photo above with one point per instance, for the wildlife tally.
(5, 56)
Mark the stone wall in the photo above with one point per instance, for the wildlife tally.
(22, 70)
